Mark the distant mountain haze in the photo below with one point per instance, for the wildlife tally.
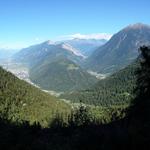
(7, 53)
(86, 46)
(35, 54)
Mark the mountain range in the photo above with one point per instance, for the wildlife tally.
(61, 75)
(86, 46)
(120, 50)
(35, 54)
(7, 53)
(55, 66)
(63, 67)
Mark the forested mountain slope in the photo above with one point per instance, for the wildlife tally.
(22, 101)
(61, 75)
(116, 89)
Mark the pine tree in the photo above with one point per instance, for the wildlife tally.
(140, 108)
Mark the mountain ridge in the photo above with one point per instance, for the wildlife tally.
(86, 46)
(35, 54)
(120, 50)
(61, 75)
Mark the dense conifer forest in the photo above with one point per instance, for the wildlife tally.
(21, 101)
(116, 89)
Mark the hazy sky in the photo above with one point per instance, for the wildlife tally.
(25, 22)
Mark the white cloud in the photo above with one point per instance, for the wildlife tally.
(88, 36)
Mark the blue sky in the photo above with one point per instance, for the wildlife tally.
(26, 22)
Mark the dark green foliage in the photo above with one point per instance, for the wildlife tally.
(61, 75)
(80, 116)
(140, 109)
(116, 89)
(77, 136)
(22, 101)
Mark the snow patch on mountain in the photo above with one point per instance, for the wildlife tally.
(49, 42)
(72, 49)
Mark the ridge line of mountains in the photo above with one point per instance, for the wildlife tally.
(60, 67)
(97, 101)
(50, 63)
